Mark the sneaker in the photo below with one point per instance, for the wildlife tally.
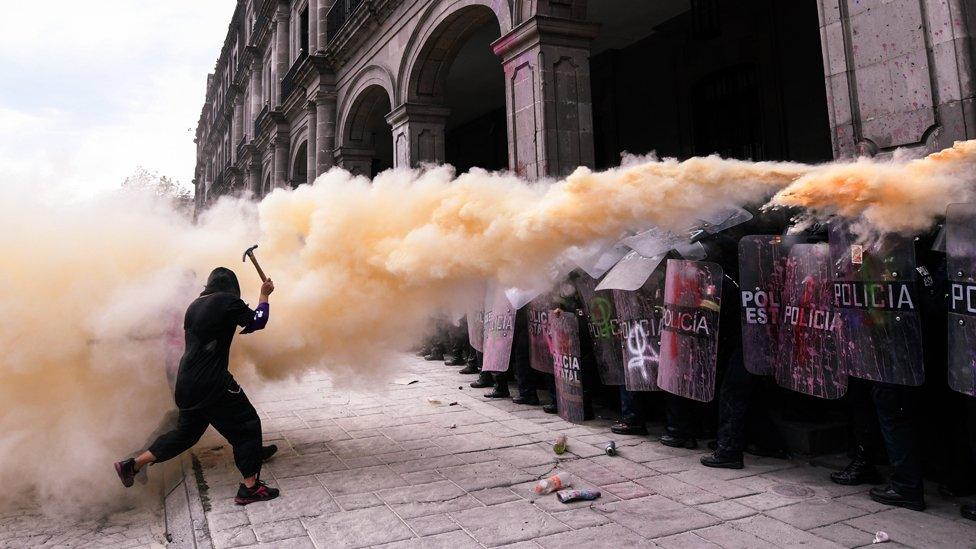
(267, 452)
(259, 492)
(857, 472)
(678, 442)
(717, 461)
(889, 496)
(621, 428)
(126, 471)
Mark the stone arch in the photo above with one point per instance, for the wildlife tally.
(444, 27)
(299, 164)
(367, 77)
(372, 102)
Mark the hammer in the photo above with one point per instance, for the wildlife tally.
(250, 253)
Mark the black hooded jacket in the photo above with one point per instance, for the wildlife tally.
(209, 324)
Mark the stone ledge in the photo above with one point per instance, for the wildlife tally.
(183, 506)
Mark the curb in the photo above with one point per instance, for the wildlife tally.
(183, 507)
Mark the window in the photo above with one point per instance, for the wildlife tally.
(303, 30)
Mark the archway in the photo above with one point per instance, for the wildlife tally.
(299, 170)
(367, 144)
(267, 184)
(456, 68)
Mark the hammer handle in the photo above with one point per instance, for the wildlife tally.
(258, 267)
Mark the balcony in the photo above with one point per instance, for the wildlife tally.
(241, 146)
(265, 112)
(288, 83)
(259, 24)
(338, 16)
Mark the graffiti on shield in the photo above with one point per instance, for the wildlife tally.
(641, 317)
(874, 293)
(604, 328)
(539, 310)
(566, 363)
(499, 331)
(809, 362)
(689, 336)
(961, 255)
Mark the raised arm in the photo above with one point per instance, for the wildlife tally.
(263, 310)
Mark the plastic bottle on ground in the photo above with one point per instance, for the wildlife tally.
(553, 483)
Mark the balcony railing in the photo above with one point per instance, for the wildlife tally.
(260, 119)
(240, 146)
(338, 15)
(259, 23)
(288, 82)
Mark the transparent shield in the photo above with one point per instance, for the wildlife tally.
(689, 334)
(476, 329)
(961, 254)
(809, 361)
(499, 331)
(566, 363)
(604, 328)
(630, 273)
(641, 315)
(539, 311)
(875, 295)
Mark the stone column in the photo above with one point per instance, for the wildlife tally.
(355, 161)
(256, 99)
(313, 28)
(324, 7)
(325, 128)
(281, 56)
(899, 74)
(279, 167)
(312, 163)
(254, 178)
(547, 84)
(237, 126)
(418, 134)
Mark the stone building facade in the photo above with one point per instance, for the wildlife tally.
(543, 86)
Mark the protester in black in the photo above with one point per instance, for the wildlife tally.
(206, 393)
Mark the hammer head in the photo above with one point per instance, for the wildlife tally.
(248, 252)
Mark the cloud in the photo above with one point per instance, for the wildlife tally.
(93, 89)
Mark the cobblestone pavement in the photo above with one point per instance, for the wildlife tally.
(142, 528)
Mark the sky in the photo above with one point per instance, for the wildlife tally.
(89, 91)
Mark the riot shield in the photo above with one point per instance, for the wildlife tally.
(640, 314)
(476, 329)
(874, 292)
(762, 261)
(604, 330)
(539, 310)
(689, 333)
(961, 254)
(564, 348)
(499, 331)
(809, 361)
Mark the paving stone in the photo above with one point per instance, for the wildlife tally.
(367, 479)
(778, 532)
(627, 490)
(844, 535)
(432, 524)
(450, 540)
(422, 477)
(426, 464)
(812, 513)
(508, 523)
(592, 472)
(597, 536)
(727, 510)
(232, 537)
(728, 537)
(302, 542)
(296, 466)
(656, 516)
(525, 456)
(360, 528)
(918, 529)
(490, 474)
(863, 501)
(494, 496)
(224, 521)
(724, 488)
(681, 492)
(583, 517)
(280, 530)
(625, 467)
(303, 502)
(351, 502)
(685, 540)
(427, 499)
(364, 447)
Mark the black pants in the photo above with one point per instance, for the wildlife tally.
(743, 410)
(233, 416)
(683, 416)
(633, 407)
(896, 406)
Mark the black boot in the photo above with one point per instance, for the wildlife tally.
(469, 369)
(485, 379)
(889, 496)
(675, 441)
(621, 428)
(968, 511)
(436, 353)
(498, 393)
(529, 400)
(719, 460)
(858, 471)
(550, 408)
(456, 358)
(267, 452)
